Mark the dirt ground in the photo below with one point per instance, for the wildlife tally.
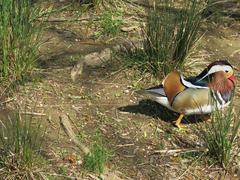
(137, 132)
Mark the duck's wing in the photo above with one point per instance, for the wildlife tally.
(193, 82)
(193, 101)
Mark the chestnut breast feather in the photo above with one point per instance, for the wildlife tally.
(172, 85)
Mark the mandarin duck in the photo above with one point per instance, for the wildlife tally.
(212, 88)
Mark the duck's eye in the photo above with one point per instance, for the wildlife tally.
(226, 71)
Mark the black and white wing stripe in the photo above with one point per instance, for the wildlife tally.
(191, 84)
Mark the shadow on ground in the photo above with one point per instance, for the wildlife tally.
(155, 110)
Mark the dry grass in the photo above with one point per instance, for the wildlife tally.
(20, 147)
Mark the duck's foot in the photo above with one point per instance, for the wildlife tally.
(178, 125)
(178, 122)
(179, 128)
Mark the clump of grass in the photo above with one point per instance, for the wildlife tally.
(170, 33)
(188, 30)
(20, 145)
(92, 2)
(191, 155)
(110, 23)
(19, 39)
(96, 159)
(220, 136)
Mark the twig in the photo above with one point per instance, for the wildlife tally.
(124, 145)
(60, 175)
(180, 151)
(7, 101)
(67, 127)
(74, 124)
(66, 20)
(33, 113)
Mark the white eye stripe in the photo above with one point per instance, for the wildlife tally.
(217, 68)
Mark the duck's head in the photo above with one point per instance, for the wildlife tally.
(221, 69)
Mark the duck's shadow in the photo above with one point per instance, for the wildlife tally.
(155, 110)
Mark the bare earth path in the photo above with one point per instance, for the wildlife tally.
(103, 102)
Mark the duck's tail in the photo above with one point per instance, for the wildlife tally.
(156, 94)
